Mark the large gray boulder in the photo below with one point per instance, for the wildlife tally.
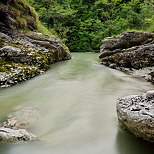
(136, 114)
(130, 52)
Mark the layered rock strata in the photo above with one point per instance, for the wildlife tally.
(27, 55)
(131, 52)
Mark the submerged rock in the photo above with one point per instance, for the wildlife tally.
(136, 114)
(132, 52)
(22, 119)
(14, 128)
(11, 135)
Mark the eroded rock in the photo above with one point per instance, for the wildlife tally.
(29, 55)
(130, 52)
(136, 114)
(24, 55)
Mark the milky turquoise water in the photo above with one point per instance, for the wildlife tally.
(77, 102)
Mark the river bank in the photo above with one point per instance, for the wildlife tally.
(77, 100)
(24, 51)
(133, 53)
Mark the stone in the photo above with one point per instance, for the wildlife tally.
(132, 52)
(136, 114)
(11, 135)
(14, 128)
(10, 51)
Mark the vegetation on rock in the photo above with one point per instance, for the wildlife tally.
(24, 51)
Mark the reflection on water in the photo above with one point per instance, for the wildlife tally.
(129, 144)
(77, 101)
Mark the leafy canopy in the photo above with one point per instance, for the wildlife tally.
(82, 24)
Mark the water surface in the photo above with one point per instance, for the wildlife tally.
(77, 100)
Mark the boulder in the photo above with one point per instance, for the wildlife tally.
(126, 40)
(130, 52)
(136, 114)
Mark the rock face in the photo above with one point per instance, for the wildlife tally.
(132, 52)
(136, 114)
(14, 128)
(24, 55)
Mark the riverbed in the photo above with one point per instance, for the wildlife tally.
(77, 102)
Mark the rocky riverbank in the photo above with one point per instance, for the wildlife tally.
(25, 54)
(131, 52)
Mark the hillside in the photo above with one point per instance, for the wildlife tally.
(24, 50)
(82, 24)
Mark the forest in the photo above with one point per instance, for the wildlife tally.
(82, 24)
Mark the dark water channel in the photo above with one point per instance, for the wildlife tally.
(77, 100)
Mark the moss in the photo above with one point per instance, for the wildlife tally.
(15, 11)
(66, 48)
(151, 28)
(21, 23)
(3, 65)
(25, 17)
(2, 69)
(13, 45)
(43, 29)
(1, 44)
(116, 58)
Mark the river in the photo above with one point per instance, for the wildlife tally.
(77, 101)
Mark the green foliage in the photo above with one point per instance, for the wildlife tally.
(82, 24)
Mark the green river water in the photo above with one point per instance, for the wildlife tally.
(77, 102)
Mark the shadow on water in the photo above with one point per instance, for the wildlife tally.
(3, 148)
(127, 143)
